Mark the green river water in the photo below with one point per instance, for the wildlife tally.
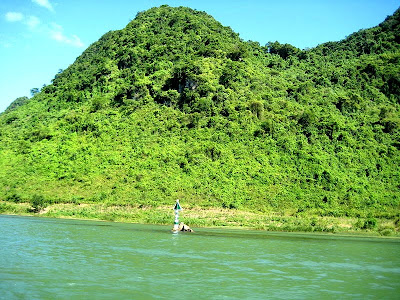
(44, 258)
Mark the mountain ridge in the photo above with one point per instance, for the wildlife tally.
(175, 105)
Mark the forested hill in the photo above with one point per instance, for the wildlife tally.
(175, 105)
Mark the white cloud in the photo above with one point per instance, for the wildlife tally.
(32, 22)
(53, 31)
(6, 44)
(56, 27)
(56, 33)
(44, 3)
(14, 16)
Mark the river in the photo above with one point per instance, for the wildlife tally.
(43, 258)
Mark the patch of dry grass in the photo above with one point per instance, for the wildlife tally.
(204, 217)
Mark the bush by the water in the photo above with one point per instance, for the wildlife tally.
(38, 203)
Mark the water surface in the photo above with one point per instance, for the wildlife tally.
(69, 259)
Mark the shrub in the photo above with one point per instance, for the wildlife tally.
(38, 203)
(14, 198)
(369, 223)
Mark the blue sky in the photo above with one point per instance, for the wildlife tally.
(39, 37)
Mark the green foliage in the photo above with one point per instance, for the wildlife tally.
(283, 50)
(175, 105)
(16, 103)
(370, 223)
(14, 198)
(38, 203)
(34, 91)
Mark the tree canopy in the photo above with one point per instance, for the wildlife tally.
(175, 105)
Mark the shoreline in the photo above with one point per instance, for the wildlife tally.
(198, 217)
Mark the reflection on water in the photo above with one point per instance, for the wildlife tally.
(67, 259)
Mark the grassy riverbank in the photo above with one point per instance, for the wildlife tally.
(211, 217)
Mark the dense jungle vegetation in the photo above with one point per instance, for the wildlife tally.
(175, 105)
